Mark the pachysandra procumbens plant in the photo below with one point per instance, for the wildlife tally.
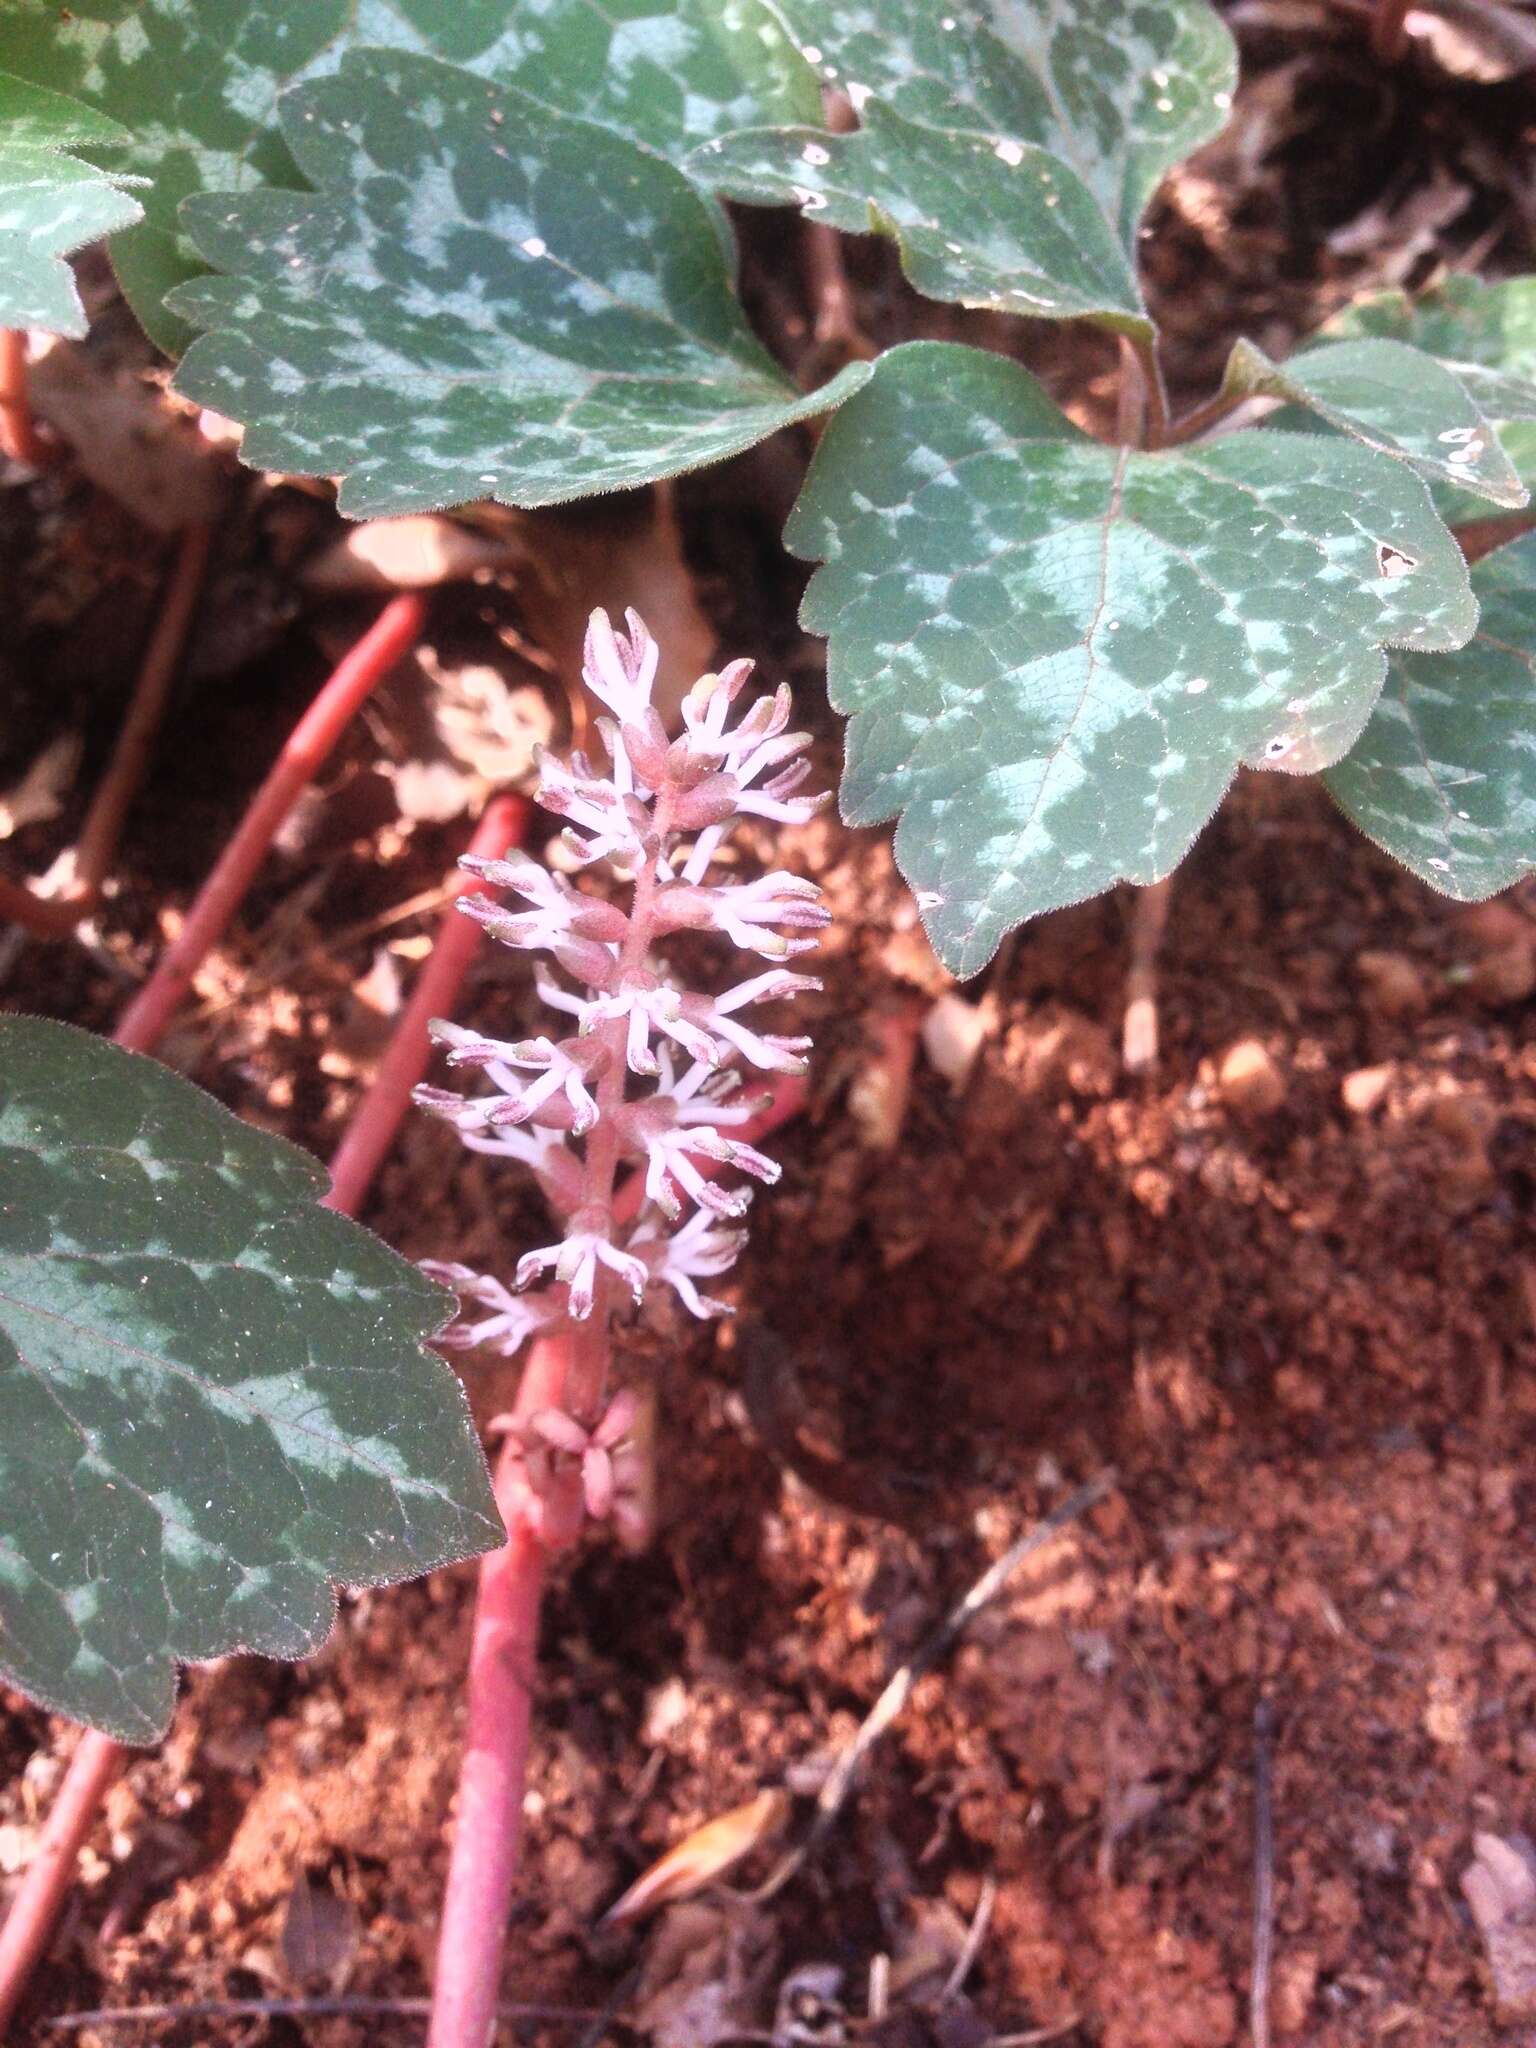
(1054, 651)
(646, 1071)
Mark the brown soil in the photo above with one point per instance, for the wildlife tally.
(1296, 1315)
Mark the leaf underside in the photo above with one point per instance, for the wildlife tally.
(198, 83)
(1444, 775)
(214, 1398)
(486, 300)
(1055, 654)
(51, 204)
(1011, 146)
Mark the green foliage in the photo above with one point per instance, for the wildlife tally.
(1054, 685)
(511, 278)
(488, 300)
(214, 1399)
(1394, 398)
(51, 203)
(197, 83)
(1010, 146)
(1444, 776)
(1486, 335)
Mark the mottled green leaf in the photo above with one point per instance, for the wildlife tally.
(1395, 398)
(214, 1399)
(1032, 242)
(51, 204)
(487, 300)
(1056, 654)
(1011, 146)
(1444, 775)
(1486, 334)
(198, 81)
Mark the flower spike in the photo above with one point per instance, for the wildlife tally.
(641, 1067)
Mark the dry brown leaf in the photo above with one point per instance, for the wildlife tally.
(39, 795)
(708, 1853)
(414, 553)
(1500, 1888)
(125, 438)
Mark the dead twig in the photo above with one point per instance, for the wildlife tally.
(1263, 1871)
(302, 2009)
(840, 1779)
(976, 1934)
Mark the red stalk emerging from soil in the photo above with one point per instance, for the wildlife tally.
(503, 1655)
(55, 917)
(19, 438)
(98, 1758)
(354, 679)
(372, 1129)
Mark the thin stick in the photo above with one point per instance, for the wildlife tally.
(97, 1758)
(294, 2009)
(840, 1779)
(373, 1125)
(355, 678)
(151, 692)
(1149, 917)
(965, 1962)
(19, 438)
(1263, 1871)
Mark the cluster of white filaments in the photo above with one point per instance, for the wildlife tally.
(648, 1073)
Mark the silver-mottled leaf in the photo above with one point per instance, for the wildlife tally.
(1486, 334)
(1444, 775)
(1033, 242)
(1393, 397)
(1056, 654)
(485, 300)
(981, 122)
(198, 82)
(214, 1398)
(51, 204)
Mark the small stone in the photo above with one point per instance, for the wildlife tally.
(1505, 976)
(1393, 985)
(1365, 1089)
(1250, 1078)
(1300, 1391)
(954, 1032)
(1295, 1987)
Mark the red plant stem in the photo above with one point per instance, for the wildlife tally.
(151, 692)
(356, 676)
(97, 1758)
(372, 1129)
(56, 917)
(502, 1659)
(1389, 31)
(51, 1872)
(503, 1656)
(19, 438)
(46, 917)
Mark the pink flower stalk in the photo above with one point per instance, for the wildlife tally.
(647, 1073)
